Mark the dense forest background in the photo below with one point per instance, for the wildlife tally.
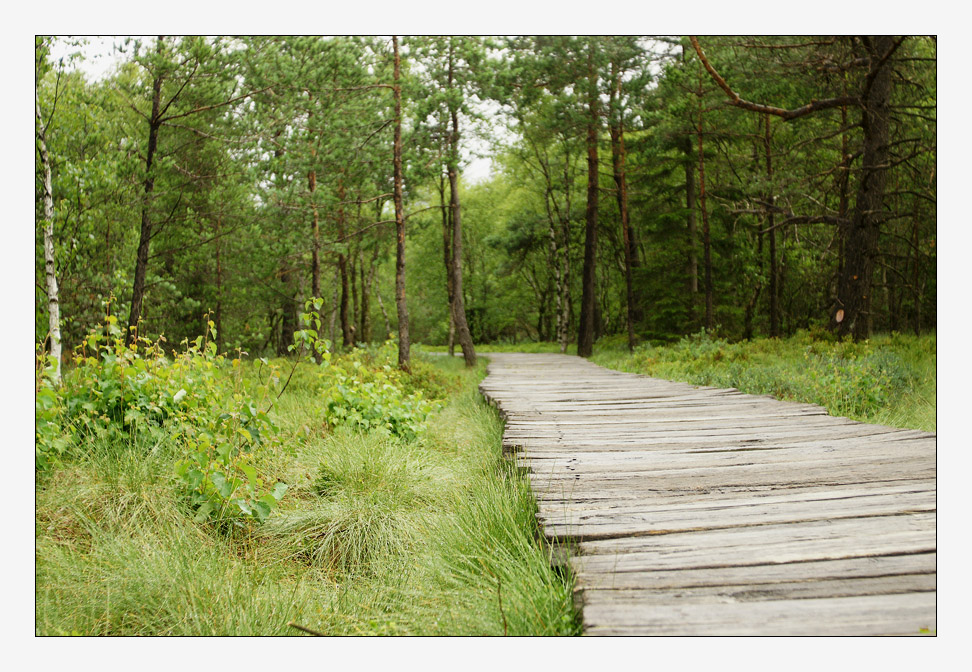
(641, 188)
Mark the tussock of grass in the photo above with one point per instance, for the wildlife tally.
(375, 536)
(368, 502)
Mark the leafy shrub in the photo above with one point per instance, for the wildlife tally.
(363, 390)
(116, 390)
(372, 398)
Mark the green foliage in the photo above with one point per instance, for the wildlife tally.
(194, 399)
(366, 392)
(860, 380)
(375, 536)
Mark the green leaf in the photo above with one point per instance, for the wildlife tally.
(223, 486)
(278, 491)
(178, 396)
(250, 474)
(262, 510)
(202, 514)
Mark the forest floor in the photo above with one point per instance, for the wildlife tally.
(377, 535)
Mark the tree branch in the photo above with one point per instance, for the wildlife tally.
(787, 115)
(212, 107)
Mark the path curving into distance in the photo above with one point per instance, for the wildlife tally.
(704, 511)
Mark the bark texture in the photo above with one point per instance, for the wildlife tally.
(403, 338)
(458, 302)
(50, 273)
(145, 232)
(852, 310)
(585, 335)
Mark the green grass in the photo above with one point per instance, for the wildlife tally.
(889, 379)
(376, 536)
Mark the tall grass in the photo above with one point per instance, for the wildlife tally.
(889, 379)
(377, 535)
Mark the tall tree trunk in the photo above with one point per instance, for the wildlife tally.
(384, 314)
(355, 314)
(145, 233)
(585, 335)
(567, 304)
(459, 304)
(447, 259)
(366, 285)
(218, 317)
(843, 187)
(315, 234)
(53, 302)
(692, 265)
(851, 313)
(618, 157)
(773, 273)
(706, 242)
(403, 336)
(334, 309)
(347, 329)
(288, 320)
(914, 274)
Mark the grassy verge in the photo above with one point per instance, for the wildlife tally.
(889, 379)
(376, 535)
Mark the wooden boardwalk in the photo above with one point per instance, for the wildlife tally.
(703, 511)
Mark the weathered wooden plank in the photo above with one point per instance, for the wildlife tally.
(760, 575)
(687, 500)
(905, 614)
(769, 544)
(613, 523)
(749, 592)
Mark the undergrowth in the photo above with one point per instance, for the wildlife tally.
(888, 379)
(411, 526)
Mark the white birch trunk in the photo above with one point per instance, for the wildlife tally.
(53, 305)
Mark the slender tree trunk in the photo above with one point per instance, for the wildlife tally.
(218, 317)
(618, 156)
(53, 302)
(145, 233)
(774, 291)
(335, 308)
(567, 304)
(459, 305)
(384, 314)
(403, 336)
(850, 315)
(366, 283)
(585, 335)
(843, 187)
(288, 320)
(692, 265)
(447, 259)
(347, 328)
(355, 313)
(914, 272)
(315, 231)
(706, 242)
